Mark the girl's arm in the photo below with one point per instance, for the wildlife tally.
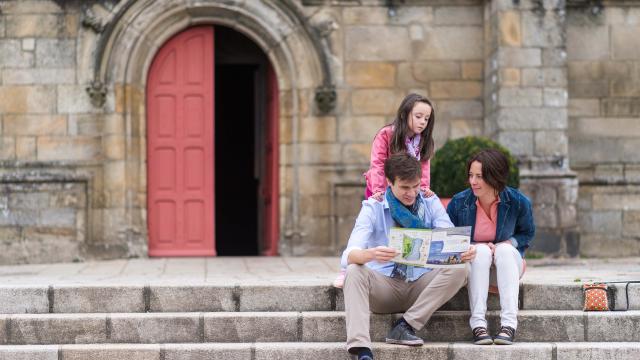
(425, 181)
(379, 153)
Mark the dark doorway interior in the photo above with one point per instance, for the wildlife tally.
(240, 78)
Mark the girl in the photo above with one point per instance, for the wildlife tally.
(502, 227)
(410, 132)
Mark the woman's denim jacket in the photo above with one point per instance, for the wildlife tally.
(515, 217)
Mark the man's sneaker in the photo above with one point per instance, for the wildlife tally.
(481, 336)
(507, 338)
(403, 334)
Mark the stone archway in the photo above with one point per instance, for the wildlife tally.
(136, 32)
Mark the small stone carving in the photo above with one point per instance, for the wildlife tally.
(97, 92)
(326, 99)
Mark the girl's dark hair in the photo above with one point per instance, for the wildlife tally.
(495, 167)
(401, 127)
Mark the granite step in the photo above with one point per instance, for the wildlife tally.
(303, 351)
(318, 326)
(94, 298)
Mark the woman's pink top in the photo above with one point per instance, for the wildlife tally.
(485, 229)
(380, 151)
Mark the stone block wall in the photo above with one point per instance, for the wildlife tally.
(604, 126)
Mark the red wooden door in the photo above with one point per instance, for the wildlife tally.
(180, 147)
(270, 191)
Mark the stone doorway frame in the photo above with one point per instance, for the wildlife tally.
(130, 41)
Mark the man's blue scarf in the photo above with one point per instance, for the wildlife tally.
(413, 217)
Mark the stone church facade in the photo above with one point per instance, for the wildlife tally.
(557, 82)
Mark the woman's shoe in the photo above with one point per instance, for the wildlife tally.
(481, 336)
(500, 339)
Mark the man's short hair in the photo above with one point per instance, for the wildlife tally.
(402, 166)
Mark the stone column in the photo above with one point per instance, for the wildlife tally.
(526, 110)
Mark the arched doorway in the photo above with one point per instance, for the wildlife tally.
(212, 160)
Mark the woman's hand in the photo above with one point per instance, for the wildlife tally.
(468, 255)
(492, 246)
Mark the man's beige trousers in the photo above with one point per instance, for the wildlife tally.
(367, 291)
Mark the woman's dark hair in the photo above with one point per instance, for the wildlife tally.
(402, 166)
(495, 167)
(401, 127)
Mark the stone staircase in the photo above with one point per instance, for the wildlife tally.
(286, 321)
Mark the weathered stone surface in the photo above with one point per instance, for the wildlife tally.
(55, 53)
(510, 29)
(64, 148)
(605, 127)
(375, 102)
(208, 351)
(519, 57)
(360, 128)
(370, 74)
(602, 222)
(34, 125)
(458, 15)
(111, 352)
(98, 299)
(23, 299)
(451, 43)
(191, 298)
(587, 42)
(465, 109)
(555, 97)
(455, 89)
(518, 142)
(25, 148)
(11, 54)
(377, 43)
(27, 99)
(528, 351)
(616, 107)
(520, 97)
(73, 99)
(294, 298)
(38, 76)
(472, 70)
(155, 328)
(31, 25)
(462, 128)
(608, 325)
(509, 77)
(41, 352)
(58, 329)
(621, 37)
(356, 153)
(551, 143)
(436, 70)
(241, 327)
(619, 350)
(369, 15)
(584, 107)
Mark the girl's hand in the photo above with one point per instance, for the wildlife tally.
(427, 192)
(378, 195)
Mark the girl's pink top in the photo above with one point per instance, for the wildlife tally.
(380, 151)
(485, 229)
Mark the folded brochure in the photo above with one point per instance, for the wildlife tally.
(432, 248)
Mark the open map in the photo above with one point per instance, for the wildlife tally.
(430, 248)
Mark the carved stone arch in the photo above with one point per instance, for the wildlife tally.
(128, 45)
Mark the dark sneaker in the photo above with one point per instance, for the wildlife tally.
(507, 338)
(481, 336)
(403, 334)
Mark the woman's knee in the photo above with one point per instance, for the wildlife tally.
(483, 256)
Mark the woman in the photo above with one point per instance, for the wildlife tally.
(502, 227)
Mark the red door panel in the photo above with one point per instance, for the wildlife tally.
(270, 182)
(180, 151)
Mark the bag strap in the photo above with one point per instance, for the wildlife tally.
(626, 290)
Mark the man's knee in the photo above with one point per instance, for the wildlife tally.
(355, 272)
(457, 275)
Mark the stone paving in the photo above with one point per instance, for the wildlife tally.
(276, 270)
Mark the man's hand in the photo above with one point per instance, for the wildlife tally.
(468, 255)
(382, 253)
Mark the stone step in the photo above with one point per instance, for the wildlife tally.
(329, 326)
(248, 297)
(303, 351)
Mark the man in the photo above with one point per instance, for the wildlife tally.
(373, 283)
